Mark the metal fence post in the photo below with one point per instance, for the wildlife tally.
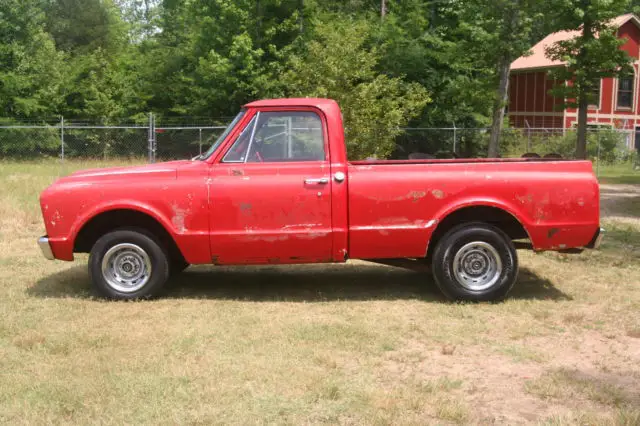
(455, 136)
(62, 139)
(598, 155)
(155, 141)
(150, 140)
(200, 141)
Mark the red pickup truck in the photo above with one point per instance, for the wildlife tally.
(277, 188)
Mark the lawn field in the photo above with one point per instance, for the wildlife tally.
(625, 173)
(352, 344)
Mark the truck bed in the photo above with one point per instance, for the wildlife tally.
(393, 211)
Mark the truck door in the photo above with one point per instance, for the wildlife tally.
(270, 194)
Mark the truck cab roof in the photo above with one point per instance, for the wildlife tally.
(321, 103)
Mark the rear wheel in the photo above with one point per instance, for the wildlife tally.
(475, 262)
(127, 264)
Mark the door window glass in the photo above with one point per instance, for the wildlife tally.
(280, 137)
(239, 148)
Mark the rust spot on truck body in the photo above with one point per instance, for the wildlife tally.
(245, 208)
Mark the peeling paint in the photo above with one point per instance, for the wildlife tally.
(417, 195)
(393, 221)
(525, 199)
(57, 217)
(552, 232)
(178, 217)
(268, 238)
(438, 194)
(237, 172)
(302, 225)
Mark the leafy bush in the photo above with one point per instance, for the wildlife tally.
(612, 144)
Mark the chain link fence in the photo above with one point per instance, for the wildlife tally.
(69, 140)
(149, 143)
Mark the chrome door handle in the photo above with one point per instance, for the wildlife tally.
(321, 181)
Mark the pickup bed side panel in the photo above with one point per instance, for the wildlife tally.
(395, 208)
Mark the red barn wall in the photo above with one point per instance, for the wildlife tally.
(530, 102)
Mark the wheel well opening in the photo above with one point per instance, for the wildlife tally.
(122, 218)
(491, 215)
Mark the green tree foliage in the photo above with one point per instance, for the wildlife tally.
(85, 25)
(336, 63)
(30, 65)
(502, 31)
(429, 43)
(390, 63)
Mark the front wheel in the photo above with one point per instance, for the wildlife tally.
(177, 266)
(475, 262)
(126, 264)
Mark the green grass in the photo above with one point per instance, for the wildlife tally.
(314, 344)
(624, 173)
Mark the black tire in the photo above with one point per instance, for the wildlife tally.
(178, 265)
(487, 263)
(140, 253)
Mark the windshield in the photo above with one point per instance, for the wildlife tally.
(222, 137)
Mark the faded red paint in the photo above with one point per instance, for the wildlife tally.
(230, 213)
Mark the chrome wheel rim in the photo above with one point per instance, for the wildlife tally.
(477, 266)
(126, 267)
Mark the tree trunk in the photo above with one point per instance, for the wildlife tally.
(258, 24)
(499, 104)
(301, 17)
(383, 8)
(583, 94)
(581, 143)
(511, 16)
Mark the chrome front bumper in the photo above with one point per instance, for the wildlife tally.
(43, 242)
(597, 239)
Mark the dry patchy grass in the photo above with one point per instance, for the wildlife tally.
(356, 343)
